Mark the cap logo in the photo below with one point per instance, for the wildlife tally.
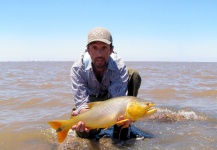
(97, 33)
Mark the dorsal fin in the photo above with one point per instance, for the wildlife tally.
(92, 104)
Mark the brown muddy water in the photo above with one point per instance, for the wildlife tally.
(33, 93)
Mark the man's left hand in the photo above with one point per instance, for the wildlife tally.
(126, 122)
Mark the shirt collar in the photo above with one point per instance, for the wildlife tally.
(111, 64)
(89, 66)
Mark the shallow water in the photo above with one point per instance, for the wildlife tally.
(33, 93)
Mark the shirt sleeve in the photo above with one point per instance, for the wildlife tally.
(119, 80)
(79, 88)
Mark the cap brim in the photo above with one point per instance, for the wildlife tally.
(100, 40)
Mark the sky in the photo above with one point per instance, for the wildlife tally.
(142, 30)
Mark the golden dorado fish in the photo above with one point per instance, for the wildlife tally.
(104, 114)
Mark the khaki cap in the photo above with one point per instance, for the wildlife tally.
(99, 34)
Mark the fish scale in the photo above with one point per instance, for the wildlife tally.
(106, 112)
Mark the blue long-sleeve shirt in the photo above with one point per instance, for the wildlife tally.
(84, 82)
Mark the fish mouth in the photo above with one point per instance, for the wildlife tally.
(151, 109)
(151, 106)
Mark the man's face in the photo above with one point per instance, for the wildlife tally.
(99, 53)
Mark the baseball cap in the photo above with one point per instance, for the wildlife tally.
(99, 34)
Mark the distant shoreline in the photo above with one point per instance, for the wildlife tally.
(125, 61)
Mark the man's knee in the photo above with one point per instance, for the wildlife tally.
(121, 133)
(134, 82)
(134, 76)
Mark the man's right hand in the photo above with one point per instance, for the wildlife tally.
(80, 127)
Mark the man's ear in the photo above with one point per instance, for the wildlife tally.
(112, 49)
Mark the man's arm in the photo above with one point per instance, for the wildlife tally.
(79, 87)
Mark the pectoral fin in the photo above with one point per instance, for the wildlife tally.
(125, 122)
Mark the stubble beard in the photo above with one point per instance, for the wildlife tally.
(100, 66)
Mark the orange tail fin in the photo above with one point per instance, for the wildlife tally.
(61, 132)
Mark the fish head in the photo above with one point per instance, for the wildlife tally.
(138, 108)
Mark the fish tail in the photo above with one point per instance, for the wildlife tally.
(61, 132)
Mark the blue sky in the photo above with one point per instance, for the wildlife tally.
(143, 30)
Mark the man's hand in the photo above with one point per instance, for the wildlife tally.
(125, 123)
(80, 127)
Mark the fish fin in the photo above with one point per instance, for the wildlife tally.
(61, 132)
(90, 105)
(55, 124)
(62, 135)
(123, 121)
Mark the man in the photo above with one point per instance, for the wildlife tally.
(99, 75)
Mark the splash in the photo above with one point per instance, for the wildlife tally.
(169, 116)
(190, 115)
